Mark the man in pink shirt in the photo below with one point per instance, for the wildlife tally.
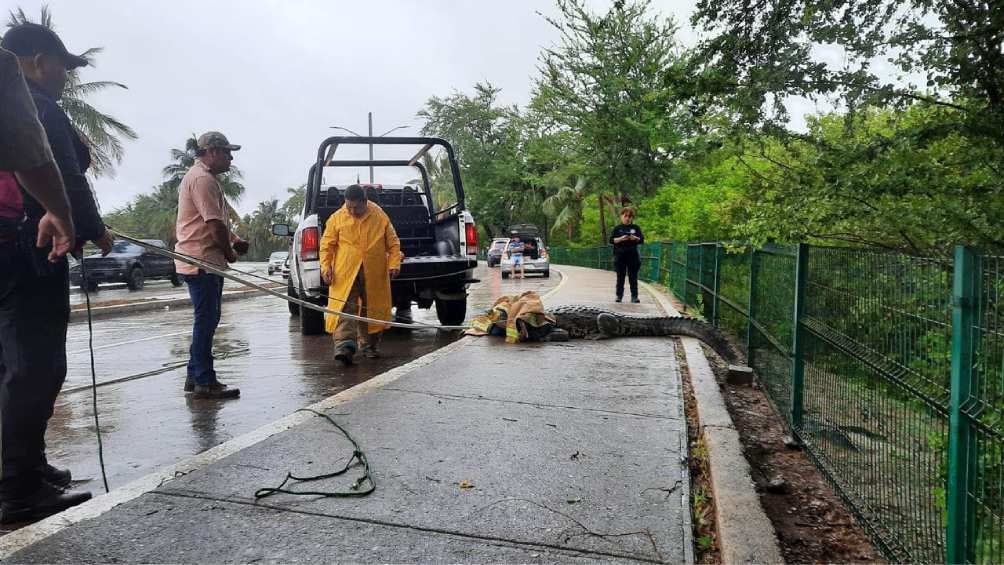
(203, 232)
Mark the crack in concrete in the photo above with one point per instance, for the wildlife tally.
(447, 396)
(426, 529)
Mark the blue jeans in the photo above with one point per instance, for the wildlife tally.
(206, 291)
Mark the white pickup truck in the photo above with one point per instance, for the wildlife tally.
(440, 244)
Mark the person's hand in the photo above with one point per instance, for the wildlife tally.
(231, 255)
(105, 242)
(394, 273)
(57, 231)
(241, 246)
(327, 276)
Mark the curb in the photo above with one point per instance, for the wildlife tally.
(80, 314)
(745, 534)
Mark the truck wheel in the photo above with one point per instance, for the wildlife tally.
(175, 280)
(451, 312)
(89, 286)
(135, 280)
(294, 308)
(547, 274)
(311, 322)
(505, 274)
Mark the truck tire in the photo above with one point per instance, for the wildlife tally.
(547, 274)
(311, 321)
(175, 280)
(505, 275)
(294, 308)
(451, 312)
(89, 286)
(135, 280)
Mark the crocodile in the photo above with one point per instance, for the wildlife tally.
(589, 322)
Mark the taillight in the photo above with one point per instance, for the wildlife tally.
(471, 231)
(309, 244)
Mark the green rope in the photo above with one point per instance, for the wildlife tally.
(357, 489)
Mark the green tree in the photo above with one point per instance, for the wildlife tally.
(755, 59)
(488, 138)
(606, 81)
(879, 183)
(101, 132)
(261, 242)
(151, 215)
(566, 205)
(230, 181)
(292, 208)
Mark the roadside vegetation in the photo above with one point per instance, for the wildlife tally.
(901, 151)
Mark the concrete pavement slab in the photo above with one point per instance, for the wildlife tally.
(555, 452)
(593, 481)
(157, 528)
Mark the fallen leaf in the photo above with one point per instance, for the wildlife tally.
(573, 500)
(465, 484)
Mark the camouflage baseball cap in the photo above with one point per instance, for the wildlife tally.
(212, 139)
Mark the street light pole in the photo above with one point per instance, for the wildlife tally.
(370, 116)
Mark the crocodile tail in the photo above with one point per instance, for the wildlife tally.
(692, 327)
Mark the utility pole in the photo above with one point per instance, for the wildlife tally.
(370, 118)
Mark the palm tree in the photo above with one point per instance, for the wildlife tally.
(183, 159)
(101, 132)
(566, 205)
(259, 230)
(292, 208)
(440, 180)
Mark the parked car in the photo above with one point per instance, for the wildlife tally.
(494, 255)
(535, 259)
(439, 242)
(285, 268)
(128, 263)
(276, 260)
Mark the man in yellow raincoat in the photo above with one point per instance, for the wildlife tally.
(360, 253)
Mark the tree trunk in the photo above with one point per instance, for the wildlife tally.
(603, 220)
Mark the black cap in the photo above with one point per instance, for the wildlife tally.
(28, 40)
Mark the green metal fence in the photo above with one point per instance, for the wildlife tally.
(890, 369)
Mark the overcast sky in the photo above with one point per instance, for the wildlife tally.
(273, 75)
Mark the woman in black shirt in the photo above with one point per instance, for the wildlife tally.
(626, 238)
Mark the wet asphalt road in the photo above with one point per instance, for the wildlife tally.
(147, 422)
(163, 289)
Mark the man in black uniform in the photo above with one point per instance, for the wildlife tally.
(626, 238)
(34, 294)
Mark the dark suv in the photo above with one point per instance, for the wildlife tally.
(128, 263)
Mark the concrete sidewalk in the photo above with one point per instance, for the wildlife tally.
(481, 451)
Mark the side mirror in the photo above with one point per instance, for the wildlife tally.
(281, 230)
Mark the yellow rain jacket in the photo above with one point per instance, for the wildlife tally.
(351, 243)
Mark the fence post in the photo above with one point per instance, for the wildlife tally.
(717, 284)
(797, 343)
(751, 308)
(961, 439)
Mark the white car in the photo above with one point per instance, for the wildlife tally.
(285, 269)
(533, 263)
(496, 251)
(276, 260)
